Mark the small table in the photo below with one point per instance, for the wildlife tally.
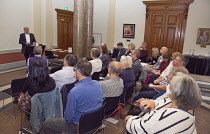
(60, 52)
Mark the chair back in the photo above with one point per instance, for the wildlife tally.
(64, 93)
(49, 54)
(17, 86)
(128, 93)
(111, 105)
(105, 72)
(95, 76)
(89, 122)
(53, 70)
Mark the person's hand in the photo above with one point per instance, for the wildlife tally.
(150, 66)
(151, 85)
(154, 71)
(147, 104)
(34, 43)
(139, 100)
(156, 81)
(27, 43)
(113, 59)
(127, 117)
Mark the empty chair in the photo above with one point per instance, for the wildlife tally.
(17, 86)
(91, 122)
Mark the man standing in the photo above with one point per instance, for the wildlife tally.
(25, 39)
(37, 56)
(67, 74)
(84, 98)
(136, 67)
(121, 52)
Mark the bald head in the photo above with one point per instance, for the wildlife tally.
(115, 68)
(26, 30)
(163, 50)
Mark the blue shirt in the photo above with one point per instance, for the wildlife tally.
(85, 97)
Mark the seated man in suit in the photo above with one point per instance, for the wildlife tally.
(25, 39)
(113, 86)
(66, 75)
(121, 52)
(84, 98)
(38, 56)
(136, 67)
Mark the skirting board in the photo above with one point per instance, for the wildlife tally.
(12, 65)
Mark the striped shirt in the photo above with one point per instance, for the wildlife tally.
(162, 120)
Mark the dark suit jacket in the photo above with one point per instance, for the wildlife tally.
(121, 52)
(22, 40)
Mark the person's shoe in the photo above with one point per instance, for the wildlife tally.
(15, 100)
(122, 116)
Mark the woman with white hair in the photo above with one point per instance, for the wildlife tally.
(127, 74)
(173, 116)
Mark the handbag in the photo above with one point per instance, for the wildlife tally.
(24, 101)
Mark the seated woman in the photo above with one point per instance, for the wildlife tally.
(131, 47)
(105, 58)
(175, 115)
(40, 81)
(144, 52)
(96, 62)
(127, 74)
(155, 55)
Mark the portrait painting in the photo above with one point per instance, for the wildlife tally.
(128, 30)
(203, 36)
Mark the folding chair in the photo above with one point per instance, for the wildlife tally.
(16, 88)
(111, 107)
(91, 122)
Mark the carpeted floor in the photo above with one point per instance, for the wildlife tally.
(9, 125)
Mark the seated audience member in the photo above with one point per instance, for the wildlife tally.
(39, 81)
(38, 56)
(96, 62)
(84, 98)
(127, 74)
(150, 68)
(136, 66)
(67, 74)
(121, 52)
(105, 57)
(144, 52)
(113, 86)
(131, 47)
(175, 116)
(163, 64)
(148, 91)
(155, 55)
(166, 71)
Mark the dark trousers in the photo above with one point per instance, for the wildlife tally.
(153, 78)
(26, 55)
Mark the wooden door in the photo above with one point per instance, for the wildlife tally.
(165, 24)
(64, 28)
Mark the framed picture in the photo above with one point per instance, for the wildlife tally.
(203, 36)
(128, 30)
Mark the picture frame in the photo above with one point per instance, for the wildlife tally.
(128, 30)
(203, 36)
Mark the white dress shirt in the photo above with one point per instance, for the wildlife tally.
(96, 65)
(27, 37)
(65, 76)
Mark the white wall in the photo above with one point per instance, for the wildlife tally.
(14, 16)
(198, 17)
(130, 12)
(100, 18)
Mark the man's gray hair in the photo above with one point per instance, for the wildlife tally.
(37, 50)
(185, 92)
(127, 60)
(183, 59)
(115, 67)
